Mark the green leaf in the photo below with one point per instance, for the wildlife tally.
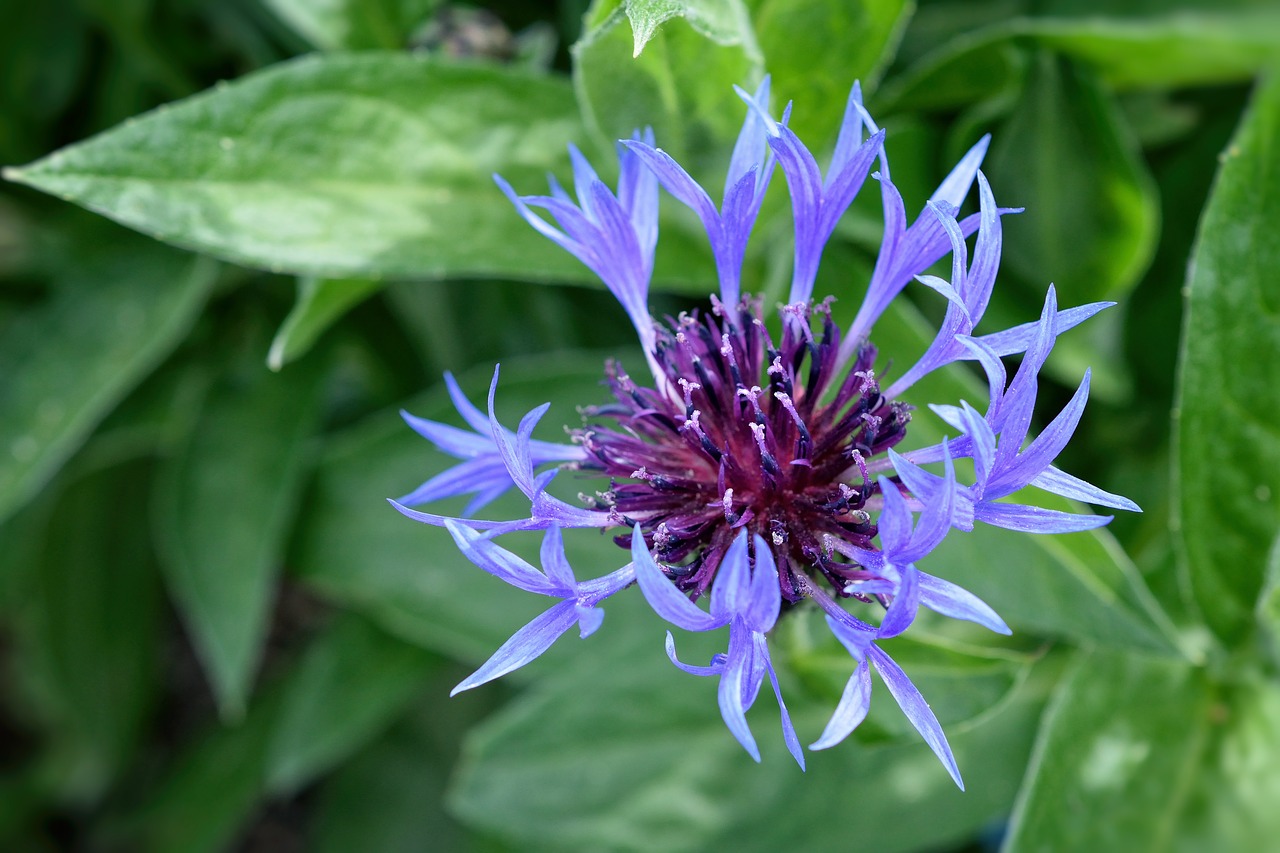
(119, 306)
(1116, 758)
(721, 21)
(358, 165)
(354, 24)
(349, 684)
(222, 518)
(815, 49)
(1093, 213)
(633, 755)
(1227, 487)
(345, 692)
(681, 86)
(390, 797)
(86, 621)
(320, 303)
(1137, 51)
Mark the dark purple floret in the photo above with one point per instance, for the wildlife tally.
(749, 435)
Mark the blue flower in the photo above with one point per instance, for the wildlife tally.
(761, 467)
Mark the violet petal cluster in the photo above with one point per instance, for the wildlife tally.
(757, 462)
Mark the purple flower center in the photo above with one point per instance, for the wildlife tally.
(748, 434)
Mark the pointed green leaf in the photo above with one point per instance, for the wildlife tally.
(338, 165)
(228, 498)
(119, 306)
(321, 302)
(1092, 237)
(1228, 488)
(721, 21)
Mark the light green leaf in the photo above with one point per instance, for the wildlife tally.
(1093, 213)
(1117, 756)
(1161, 49)
(223, 515)
(1233, 803)
(1227, 485)
(359, 165)
(117, 309)
(353, 24)
(722, 21)
(815, 49)
(320, 303)
(681, 86)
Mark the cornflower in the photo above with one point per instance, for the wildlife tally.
(759, 468)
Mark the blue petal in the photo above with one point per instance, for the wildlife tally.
(906, 601)
(1061, 483)
(731, 594)
(946, 598)
(854, 704)
(525, 645)
(501, 563)
(733, 684)
(788, 730)
(955, 186)
(765, 597)
(916, 709)
(1034, 519)
(716, 667)
(1044, 449)
(662, 595)
(554, 561)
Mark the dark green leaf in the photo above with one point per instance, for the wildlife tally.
(1093, 214)
(347, 689)
(1227, 485)
(391, 796)
(320, 303)
(87, 621)
(222, 518)
(353, 24)
(681, 86)
(815, 49)
(338, 165)
(118, 308)
(309, 721)
(1117, 755)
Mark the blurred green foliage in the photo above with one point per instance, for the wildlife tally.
(214, 634)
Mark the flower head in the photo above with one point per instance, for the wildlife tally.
(757, 462)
